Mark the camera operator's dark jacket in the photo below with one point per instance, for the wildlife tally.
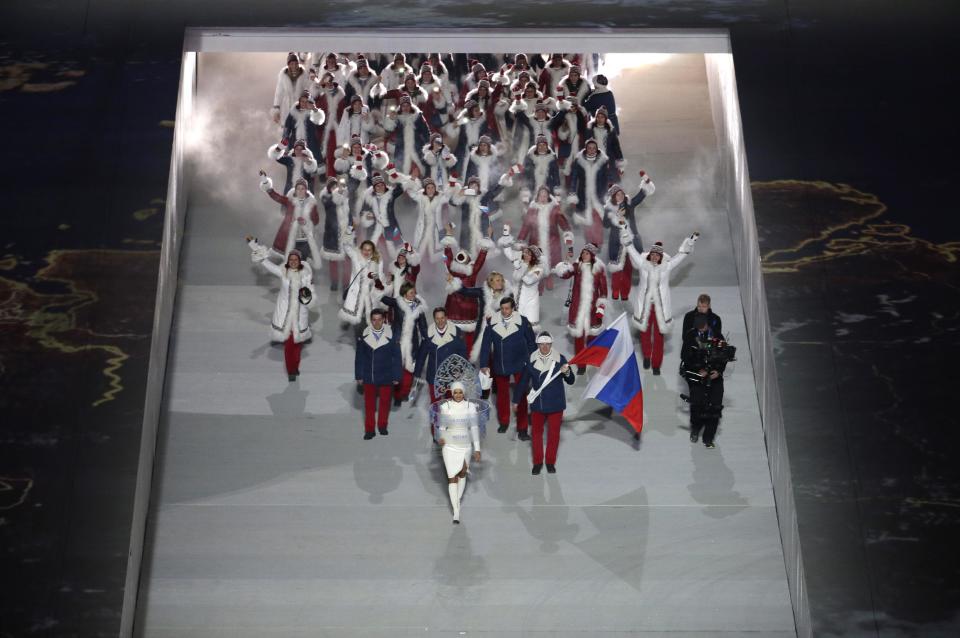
(692, 359)
(713, 322)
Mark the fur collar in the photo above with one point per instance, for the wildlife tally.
(461, 269)
(506, 327)
(441, 340)
(598, 266)
(535, 156)
(412, 115)
(543, 364)
(374, 343)
(595, 164)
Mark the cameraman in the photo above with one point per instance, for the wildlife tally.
(703, 371)
(703, 308)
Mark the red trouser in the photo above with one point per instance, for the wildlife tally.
(620, 281)
(553, 435)
(503, 402)
(371, 394)
(651, 341)
(468, 338)
(291, 355)
(402, 389)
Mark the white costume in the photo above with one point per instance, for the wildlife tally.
(359, 300)
(429, 228)
(290, 315)
(526, 281)
(459, 428)
(654, 287)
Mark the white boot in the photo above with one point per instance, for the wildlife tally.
(454, 490)
(462, 485)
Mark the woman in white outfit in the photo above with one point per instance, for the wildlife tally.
(359, 298)
(290, 324)
(458, 433)
(527, 273)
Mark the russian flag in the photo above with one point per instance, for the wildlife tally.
(617, 381)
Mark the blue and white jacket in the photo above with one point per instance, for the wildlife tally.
(553, 398)
(378, 361)
(436, 348)
(510, 341)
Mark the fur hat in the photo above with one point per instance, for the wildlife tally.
(301, 143)
(602, 109)
(409, 76)
(294, 251)
(362, 59)
(456, 385)
(356, 139)
(535, 250)
(613, 190)
(293, 57)
(404, 99)
(484, 139)
(574, 68)
(540, 106)
(657, 247)
(436, 136)
(477, 67)
(590, 248)
(332, 180)
(426, 66)
(356, 98)
(542, 138)
(484, 84)
(428, 181)
(473, 179)
(299, 181)
(469, 104)
(377, 179)
(305, 93)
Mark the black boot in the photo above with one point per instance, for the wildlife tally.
(368, 435)
(646, 363)
(656, 372)
(551, 469)
(536, 469)
(383, 431)
(581, 370)
(523, 435)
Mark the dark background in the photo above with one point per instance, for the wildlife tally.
(852, 139)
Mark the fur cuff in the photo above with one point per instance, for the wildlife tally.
(485, 243)
(449, 240)
(562, 269)
(505, 241)
(568, 237)
(275, 152)
(581, 220)
(266, 184)
(453, 285)
(648, 187)
(318, 117)
(258, 252)
(359, 174)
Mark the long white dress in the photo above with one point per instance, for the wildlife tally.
(458, 426)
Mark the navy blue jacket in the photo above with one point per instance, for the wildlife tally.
(510, 353)
(603, 98)
(432, 355)
(629, 214)
(554, 396)
(380, 365)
